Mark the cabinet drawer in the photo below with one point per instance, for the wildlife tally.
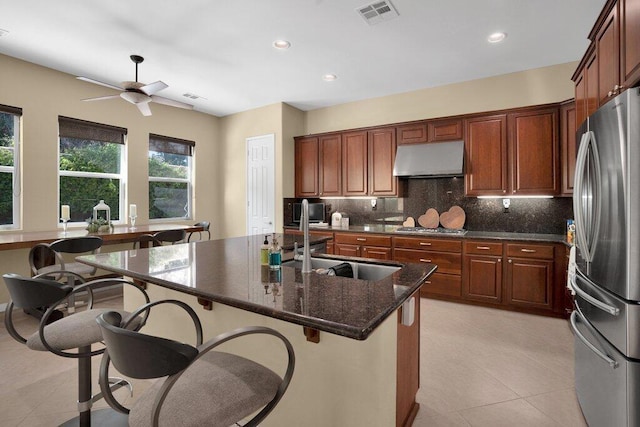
(426, 243)
(362, 239)
(442, 284)
(448, 263)
(483, 248)
(529, 251)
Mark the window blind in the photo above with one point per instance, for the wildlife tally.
(166, 144)
(82, 129)
(11, 110)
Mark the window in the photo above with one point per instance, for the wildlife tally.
(10, 166)
(170, 165)
(91, 161)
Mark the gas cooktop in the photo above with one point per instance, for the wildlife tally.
(423, 230)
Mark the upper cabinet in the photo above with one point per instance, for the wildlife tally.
(330, 165)
(306, 167)
(355, 172)
(382, 156)
(430, 131)
(612, 62)
(512, 154)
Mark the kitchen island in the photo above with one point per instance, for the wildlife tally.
(356, 362)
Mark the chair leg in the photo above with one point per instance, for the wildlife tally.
(84, 388)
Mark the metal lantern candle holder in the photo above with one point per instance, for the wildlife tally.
(102, 206)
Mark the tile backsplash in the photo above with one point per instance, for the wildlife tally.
(524, 216)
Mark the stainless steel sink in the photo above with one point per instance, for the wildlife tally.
(361, 270)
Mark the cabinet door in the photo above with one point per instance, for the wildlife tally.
(411, 134)
(354, 164)
(533, 147)
(568, 146)
(581, 98)
(608, 53)
(486, 155)
(330, 153)
(482, 278)
(445, 130)
(306, 167)
(592, 84)
(529, 283)
(382, 155)
(630, 42)
(376, 252)
(346, 250)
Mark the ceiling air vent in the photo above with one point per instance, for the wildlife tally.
(377, 12)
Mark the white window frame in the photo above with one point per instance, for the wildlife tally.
(188, 181)
(15, 173)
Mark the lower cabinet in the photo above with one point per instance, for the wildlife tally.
(483, 271)
(363, 245)
(530, 274)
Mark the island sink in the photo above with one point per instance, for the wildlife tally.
(361, 270)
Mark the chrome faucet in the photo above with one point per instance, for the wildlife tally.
(304, 227)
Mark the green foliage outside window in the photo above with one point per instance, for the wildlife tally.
(6, 159)
(168, 199)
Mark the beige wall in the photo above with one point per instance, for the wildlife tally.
(532, 87)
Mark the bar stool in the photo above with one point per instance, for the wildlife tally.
(205, 229)
(203, 387)
(78, 331)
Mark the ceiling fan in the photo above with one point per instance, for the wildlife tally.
(139, 94)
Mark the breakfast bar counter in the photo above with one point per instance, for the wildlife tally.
(356, 357)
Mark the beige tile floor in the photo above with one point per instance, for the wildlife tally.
(479, 367)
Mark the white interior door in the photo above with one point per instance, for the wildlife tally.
(261, 190)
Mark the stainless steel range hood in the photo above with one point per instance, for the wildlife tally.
(431, 160)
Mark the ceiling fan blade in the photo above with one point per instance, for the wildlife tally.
(100, 98)
(154, 87)
(144, 108)
(171, 102)
(96, 82)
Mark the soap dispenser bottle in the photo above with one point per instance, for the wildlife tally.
(264, 251)
(275, 254)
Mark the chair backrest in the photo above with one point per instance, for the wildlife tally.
(76, 245)
(142, 356)
(170, 236)
(31, 293)
(145, 241)
(41, 255)
(205, 229)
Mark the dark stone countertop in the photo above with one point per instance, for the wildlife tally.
(228, 271)
(489, 235)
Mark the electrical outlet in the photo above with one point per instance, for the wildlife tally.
(506, 203)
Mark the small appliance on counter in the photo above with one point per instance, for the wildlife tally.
(336, 219)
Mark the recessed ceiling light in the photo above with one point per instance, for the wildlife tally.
(281, 44)
(496, 37)
(329, 77)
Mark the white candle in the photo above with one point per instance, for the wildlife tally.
(133, 210)
(65, 213)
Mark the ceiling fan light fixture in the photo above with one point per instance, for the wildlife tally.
(135, 97)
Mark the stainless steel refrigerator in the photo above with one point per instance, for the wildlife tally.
(606, 320)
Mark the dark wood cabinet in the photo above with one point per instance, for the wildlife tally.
(382, 156)
(568, 146)
(533, 148)
(355, 170)
(592, 84)
(630, 42)
(486, 155)
(482, 278)
(330, 167)
(444, 130)
(607, 41)
(530, 275)
(445, 253)
(413, 133)
(581, 98)
(306, 167)
(363, 245)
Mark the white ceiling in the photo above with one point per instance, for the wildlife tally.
(221, 50)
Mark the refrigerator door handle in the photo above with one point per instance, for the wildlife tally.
(581, 240)
(614, 311)
(612, 363)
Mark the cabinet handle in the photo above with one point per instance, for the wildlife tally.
(610, 93)
(428, 282)
(425, 243)
(530, 251)
(361, 239)
(510, 261)
(424, 260)
(483, 248)
(499, 259)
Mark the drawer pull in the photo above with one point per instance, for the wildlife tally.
(428, 282)
(529, 251)
(361, 239)
(424, 260)
(425, 243)
(483, 248)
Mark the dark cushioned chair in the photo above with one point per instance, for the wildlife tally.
(170, 236)
(203, 387)
(78, 331)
